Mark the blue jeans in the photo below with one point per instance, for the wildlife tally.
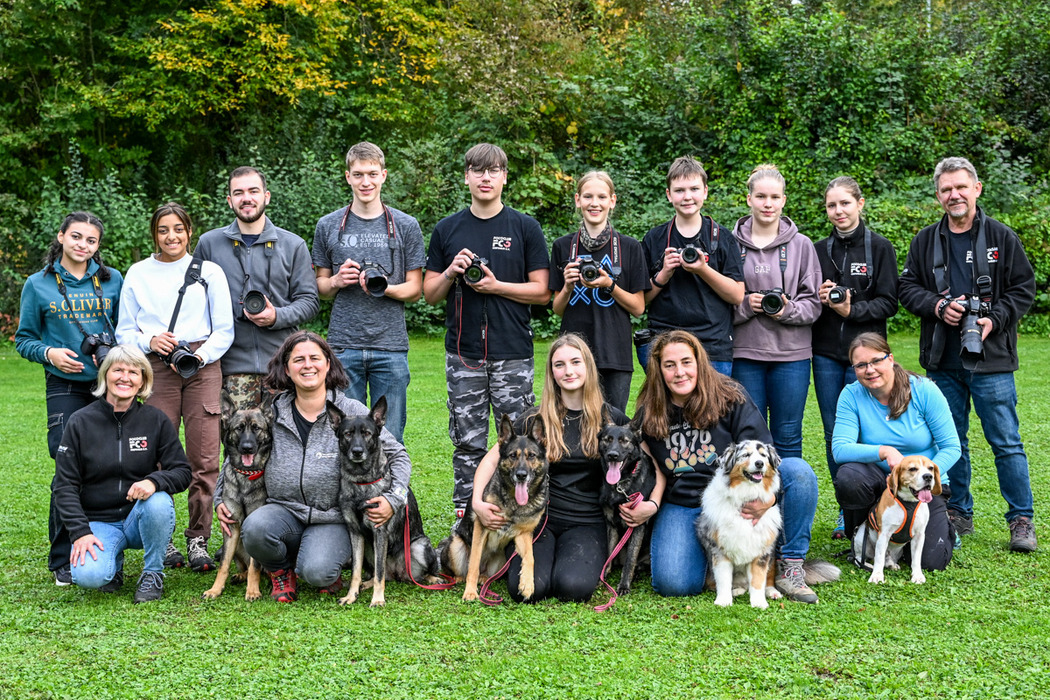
(723, 368)
(995, 400)
(779, 389)
(377, 373)
(829, 378)
(679, 563)
(278, 540)
(149, 526)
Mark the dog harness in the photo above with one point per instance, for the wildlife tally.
(909, 521)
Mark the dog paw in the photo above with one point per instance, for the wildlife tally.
(211, 594)
(761, 604)
(773, 594)
(252, 596)
(526, 590)
(918, 578)
(470, 595)
(893, 566)
(623, 590)
(875, 578)
(348, 599)
(377, 602)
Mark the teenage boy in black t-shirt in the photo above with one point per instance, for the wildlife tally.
(490, 263)
(700, 297)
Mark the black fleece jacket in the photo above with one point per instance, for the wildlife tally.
(102, 454)
(1013, 291)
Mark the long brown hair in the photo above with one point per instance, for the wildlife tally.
(553, 411)
(900, 394)
(714, 395)
(277, 373)
(164, 210)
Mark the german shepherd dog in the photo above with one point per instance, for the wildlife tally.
(519, 488)
(627, 470)
(365, 475)
(247, 437)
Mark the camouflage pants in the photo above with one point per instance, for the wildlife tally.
(244, 389)
(506, 385)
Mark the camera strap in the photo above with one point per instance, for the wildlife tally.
(193, 275)
(96, 285)
(268, 251)
(614, 242)
(982, 277)
(845, 256)
(712, 240)
(783, 263)
(391, 234)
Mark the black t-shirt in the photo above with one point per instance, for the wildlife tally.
(689, 456)
(688, 302)
(960, 278)
(593, 313)
(514, 246)
(577, 478)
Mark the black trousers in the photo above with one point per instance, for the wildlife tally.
(858, 487)
(63, 399)
(569, 559)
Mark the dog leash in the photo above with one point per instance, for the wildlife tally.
(449, 581)
(486, 596)
(634, 500)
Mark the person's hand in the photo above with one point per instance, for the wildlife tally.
(65, 360)
(754, 510)
(986, 327)
(164, 343)
(488, 284)
(491, 516)
(265, 318)
(460, 263)
(638, 515)
(571, 274)
(783, 308)
(347, 275)
(381, 512)
(892, 456)
(604, 281)
(141, 490)
(697, 265)
(83, 546)
(225, 519)
(953, 312)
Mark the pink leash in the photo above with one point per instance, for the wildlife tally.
(633, 502)
(486, 596)
(449, 581)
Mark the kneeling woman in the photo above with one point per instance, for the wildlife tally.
(689, 414)
(108, 490)
(886, 414)
(300, 532)
(572, 547)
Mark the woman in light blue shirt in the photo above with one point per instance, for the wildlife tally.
(886, 414)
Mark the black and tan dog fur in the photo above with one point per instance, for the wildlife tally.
(627, 470)
(365, 474)
(519, 488)
(247, 436)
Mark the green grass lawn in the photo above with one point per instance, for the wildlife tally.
(977, 630)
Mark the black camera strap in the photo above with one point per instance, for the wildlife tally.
(845, 256)
(712, 240)
(783, 263)
(268, 251)
(614, 241)
(982, 277)
(391, 234)
(193, 276)
(96, 285)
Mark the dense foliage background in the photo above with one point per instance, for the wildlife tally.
(117, 107)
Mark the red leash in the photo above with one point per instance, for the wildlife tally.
(633, 502)
(449, 581)
(488, 597)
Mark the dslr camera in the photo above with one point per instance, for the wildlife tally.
(837, 295)
(183, 360)
(97, 345)
(970, 331)
(772, 301)
(254, 302)
(590, 271)
(375, 276)
(474, 274)
(691, 253)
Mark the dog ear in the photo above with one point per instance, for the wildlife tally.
(774, 456)
(506, 429)
(728, 457)
(537, 431)
(892, 480)
(266, 405)
(335, 414)
(378, 414)
(228, 407)
(936, 478)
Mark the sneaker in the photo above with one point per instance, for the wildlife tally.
(151, 587)
(284, 583)
(335, 588)
(63, 576)
(963, 523)
(839, 533)
(173, 558)
(791, 581)
(197, 551)
(115, 583)
(1022, 534)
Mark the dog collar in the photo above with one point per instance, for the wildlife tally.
(368, 483)
(252, 474)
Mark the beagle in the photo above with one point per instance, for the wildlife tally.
(899, 516)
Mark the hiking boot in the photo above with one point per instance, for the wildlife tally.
(151, 587)
(791, 581)
(839, 533)
(334, 588)
(197, 552)
(63, 576)
(115, 583)
(284, 584)
(963, 524)
(1022, 534)
(173, 558)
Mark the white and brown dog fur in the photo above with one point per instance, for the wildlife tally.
(746, 471)
(915, 479)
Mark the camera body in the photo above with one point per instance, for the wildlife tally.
(474, 274)
(837, 295)
(772, 301)
(590, 271)
(97, 345)
(691, 253)
(970, 331)
(376, 280)
(254, 302)
(183, 360)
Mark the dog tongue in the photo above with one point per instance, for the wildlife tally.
(247, 460)
(613, 475)
(521, 494)
(925, 495)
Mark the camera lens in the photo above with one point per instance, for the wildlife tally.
(375, 282)
(590, 271)
(254, 302)
(474, 273)
(837, 295)
(184, 361)
(690, 254)
(772, 303)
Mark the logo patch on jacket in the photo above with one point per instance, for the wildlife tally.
(501, 242)
(138, 444)
(858, 269)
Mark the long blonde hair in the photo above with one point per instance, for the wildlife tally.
(553, 411)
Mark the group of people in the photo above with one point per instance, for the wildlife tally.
(737, 320)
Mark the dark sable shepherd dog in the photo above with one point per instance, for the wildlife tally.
(628, 470)
(519, 487)
(365, 475)
(247, 436)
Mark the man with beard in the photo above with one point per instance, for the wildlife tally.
(258, 258)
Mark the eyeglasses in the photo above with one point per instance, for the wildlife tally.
(493, 172)
(862, 366)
